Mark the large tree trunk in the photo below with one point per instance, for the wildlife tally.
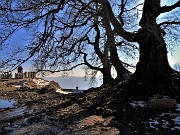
(153, 73)
(103, 56)
(122, 72)
(106, 71)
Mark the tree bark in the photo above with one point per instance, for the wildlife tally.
(114, 58)
(119, 67)
(103, 56)
(106, 71)
(153, 73)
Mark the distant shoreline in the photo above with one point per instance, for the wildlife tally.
(71, 82)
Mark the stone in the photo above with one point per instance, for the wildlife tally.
(107, 113)
(99, 111)
(161, 103)
(111, 121)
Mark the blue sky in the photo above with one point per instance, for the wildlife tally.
(20, 38)
(175, 56)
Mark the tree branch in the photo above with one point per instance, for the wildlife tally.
(88, 64)
(118, 29)
(169, 23)
(63, 70)
(169, 8)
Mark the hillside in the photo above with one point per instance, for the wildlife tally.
(39, 109)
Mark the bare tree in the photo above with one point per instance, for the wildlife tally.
(153, 72)
(61, 32)
(68, 33)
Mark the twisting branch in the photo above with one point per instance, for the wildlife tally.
(88, 64)
(169, 23)
(118, 29)
(123, 3)
(61, 70)
(169, 8)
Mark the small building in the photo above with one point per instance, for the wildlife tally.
(5, 75)
(31, 75)
(20, 69)
(18, 75)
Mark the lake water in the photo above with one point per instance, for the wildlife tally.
(71, 82)
(6, 103)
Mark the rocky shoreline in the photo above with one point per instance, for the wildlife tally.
(39, 109)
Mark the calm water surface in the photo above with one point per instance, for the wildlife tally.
(4, 103)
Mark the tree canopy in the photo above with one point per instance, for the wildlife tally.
(65, 34)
